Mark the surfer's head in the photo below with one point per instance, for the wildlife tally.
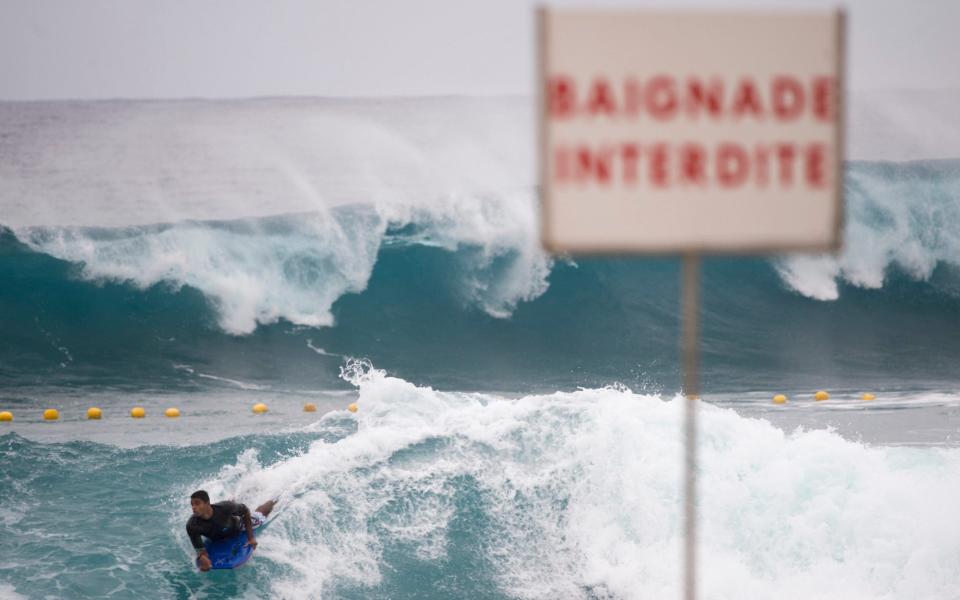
(200, 503)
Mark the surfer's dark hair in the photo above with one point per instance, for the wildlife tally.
(201, 495)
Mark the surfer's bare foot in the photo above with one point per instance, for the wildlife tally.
(265, 508)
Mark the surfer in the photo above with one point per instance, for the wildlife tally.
(222, 520)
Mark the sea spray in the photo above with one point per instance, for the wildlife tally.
(576, 495)
(900, 216)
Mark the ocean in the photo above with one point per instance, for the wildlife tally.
(519, 424)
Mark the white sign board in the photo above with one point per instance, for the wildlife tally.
(690, 132)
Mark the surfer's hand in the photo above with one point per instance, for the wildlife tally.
(252, 543)
(204, 562)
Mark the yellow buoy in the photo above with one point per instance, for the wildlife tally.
(353, 407)
(309, 407)
(51, 414)
(94, 413)
(137, 412)
(821, 395)
(6, 416)
(779, 399)
(869, 396)
(172, 412)
(259, 408)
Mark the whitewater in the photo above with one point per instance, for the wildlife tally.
(519, 427)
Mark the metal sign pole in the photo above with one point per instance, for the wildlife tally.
(689, 348)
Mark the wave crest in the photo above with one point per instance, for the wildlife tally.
(578, 495)
(899, 216)
(295, 267)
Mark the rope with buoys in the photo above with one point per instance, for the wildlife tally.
(95, 413)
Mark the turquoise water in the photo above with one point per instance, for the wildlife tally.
(518, 431)
(427, 494)
(88, 520)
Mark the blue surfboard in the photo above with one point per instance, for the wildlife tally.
(231, 552)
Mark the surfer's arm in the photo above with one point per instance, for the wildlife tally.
(240, 510)
(203, 559)
(248, 525)
(196, 540)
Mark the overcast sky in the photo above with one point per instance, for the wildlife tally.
(58, 49)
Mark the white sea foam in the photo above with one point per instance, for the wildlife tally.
(896, 218)
(252, 196)
(580, 494)
(461, 170)
(252, 271)
(257, 271)
(8, 592)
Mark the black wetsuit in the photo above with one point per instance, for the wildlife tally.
(227, 520)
